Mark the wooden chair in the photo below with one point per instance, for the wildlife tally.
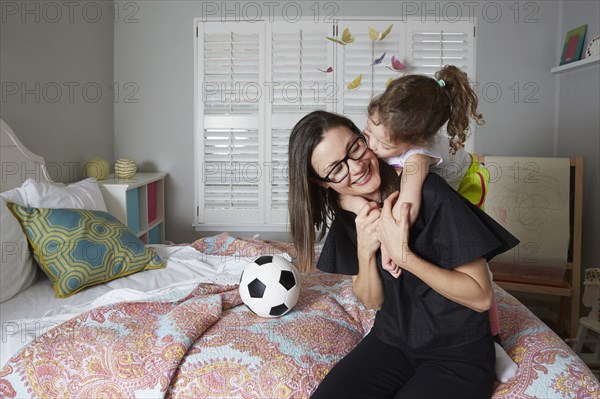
(569, 288)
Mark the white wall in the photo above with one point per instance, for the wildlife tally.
(516, 45)
(56, 73)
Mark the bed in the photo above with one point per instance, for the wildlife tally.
(182, 331)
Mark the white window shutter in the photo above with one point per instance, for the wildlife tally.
(298, 53)
(229, 60)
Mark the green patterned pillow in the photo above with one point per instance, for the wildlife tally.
(78, 248)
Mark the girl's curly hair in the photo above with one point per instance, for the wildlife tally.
(414, 108)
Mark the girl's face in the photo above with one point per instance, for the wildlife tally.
(363, 177)
(380, 141)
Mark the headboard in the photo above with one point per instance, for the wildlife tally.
(17, 162)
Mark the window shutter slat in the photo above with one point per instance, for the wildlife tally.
(231, 171)
(297, 52)
(435, 44)
(279, 162)
(231, 71)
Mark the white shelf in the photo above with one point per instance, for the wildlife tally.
(138, 180)
(572, 66)
(139, 203)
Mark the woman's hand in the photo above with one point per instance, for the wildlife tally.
(393, 234)
(367, 284)
(366, 224)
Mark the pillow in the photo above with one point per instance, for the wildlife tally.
(16, 195)
(84, 194)
(17, 270)
(77, 248)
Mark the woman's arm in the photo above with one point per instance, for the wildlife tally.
(468, 284)
(367, 284)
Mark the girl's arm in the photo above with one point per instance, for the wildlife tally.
(367, 284)
(352, 203)
(468, 284)
(416, 168)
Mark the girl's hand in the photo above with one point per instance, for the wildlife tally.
(366, 224)
(393, 234)
(389, 265)
(352, 203)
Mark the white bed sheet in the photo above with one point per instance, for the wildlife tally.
(37, 309)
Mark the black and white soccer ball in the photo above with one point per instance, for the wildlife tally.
(270, 286)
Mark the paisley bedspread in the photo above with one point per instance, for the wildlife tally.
(206, 344)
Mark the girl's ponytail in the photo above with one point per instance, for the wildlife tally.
(463, 101)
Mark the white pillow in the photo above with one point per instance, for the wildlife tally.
(17, 269)
(16, 195)
(84, 194)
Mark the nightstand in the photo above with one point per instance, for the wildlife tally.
(139, 203)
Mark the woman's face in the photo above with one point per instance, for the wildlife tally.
(363, 177)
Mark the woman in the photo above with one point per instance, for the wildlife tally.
(431, 336)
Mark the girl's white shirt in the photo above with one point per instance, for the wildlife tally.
(451, 167)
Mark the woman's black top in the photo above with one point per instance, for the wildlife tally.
(449, 232)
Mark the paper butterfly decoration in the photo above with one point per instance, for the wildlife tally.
(330, 69)
(377, 61)
(346, 38)
(397, 65)
(375, 35)
(355, 84)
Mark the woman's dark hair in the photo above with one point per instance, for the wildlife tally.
(414, 108)
(312, 206)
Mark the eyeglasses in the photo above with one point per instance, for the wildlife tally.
(340, 169)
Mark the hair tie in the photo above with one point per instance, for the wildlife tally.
(441, 83)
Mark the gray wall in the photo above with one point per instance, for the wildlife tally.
(56, 72)
(578, 130)
(516, 88)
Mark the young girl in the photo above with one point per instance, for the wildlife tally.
(403, 129)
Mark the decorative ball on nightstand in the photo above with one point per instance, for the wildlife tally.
(125, 168)
(97, 167)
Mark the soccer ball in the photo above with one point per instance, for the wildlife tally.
(270, 286)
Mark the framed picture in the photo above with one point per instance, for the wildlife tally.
(573, 45)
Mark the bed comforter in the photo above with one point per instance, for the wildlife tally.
(206, 344)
